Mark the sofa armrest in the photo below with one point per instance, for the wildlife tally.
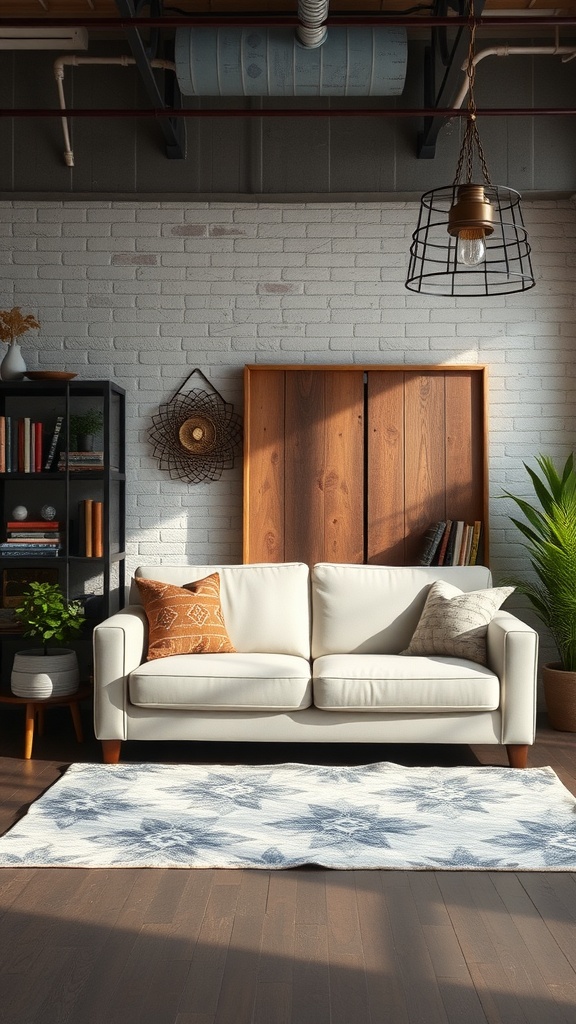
(512, 649)
(119, 647)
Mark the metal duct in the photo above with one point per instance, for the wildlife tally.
(238, 61)
(311, 29)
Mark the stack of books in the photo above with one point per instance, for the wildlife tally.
(25, 538)
(451, 542)
(76, 461)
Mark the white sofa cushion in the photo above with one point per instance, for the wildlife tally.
(376, 682)
(266, 608)
(231, 682)
(374, 609)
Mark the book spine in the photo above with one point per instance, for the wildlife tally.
(431, 542)
(38, 447)
(2, 444)
(15, 436)
(444, 542)
(33, 524)
(54, 442)
(464, 545)
(451, 546)
(476, 534)
(20, 445)
(8, 444)
(88, 503)
(26, 453)
(98, 529)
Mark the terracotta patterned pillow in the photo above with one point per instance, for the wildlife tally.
(184, 620)
(454, 624)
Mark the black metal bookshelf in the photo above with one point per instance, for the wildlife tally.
(97, 579)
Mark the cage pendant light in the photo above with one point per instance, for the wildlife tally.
(470, 238)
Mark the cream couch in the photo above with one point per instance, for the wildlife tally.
(317, 661)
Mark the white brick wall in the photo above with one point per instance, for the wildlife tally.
(145, 292)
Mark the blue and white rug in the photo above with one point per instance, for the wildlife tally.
(282, 816)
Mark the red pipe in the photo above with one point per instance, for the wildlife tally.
(190, 112)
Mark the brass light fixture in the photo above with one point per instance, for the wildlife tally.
(470, 239)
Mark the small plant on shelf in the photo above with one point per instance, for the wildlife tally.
(45, 614)
(83, 426)
(13, 324)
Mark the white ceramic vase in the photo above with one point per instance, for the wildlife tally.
(13, 366)
(37, 675)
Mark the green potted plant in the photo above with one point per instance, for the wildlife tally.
(83, 426)
(48, 671)
(550, 532)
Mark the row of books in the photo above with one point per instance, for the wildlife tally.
(451, 542)
(22, 444)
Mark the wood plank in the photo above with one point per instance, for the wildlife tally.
(424, 463)
(344, 467)
(386, 527)
(305, 441)
(264, 456)
(466, 483)
(348, 989)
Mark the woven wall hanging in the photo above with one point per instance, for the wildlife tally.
(196, 434)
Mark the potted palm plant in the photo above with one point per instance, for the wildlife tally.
(48, 671)
(550, 532)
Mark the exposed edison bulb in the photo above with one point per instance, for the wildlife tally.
(471, 248)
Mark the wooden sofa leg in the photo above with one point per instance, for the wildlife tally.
(517, 754)
(111, 751)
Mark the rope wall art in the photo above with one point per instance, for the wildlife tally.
(196, 434)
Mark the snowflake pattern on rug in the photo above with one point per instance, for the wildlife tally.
(283, 816)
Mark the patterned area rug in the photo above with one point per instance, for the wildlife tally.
(282, 816)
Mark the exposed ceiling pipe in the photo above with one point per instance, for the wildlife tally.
(75, 62)
(312, 16)
(157, 113)
(567, 52)
(262, 18)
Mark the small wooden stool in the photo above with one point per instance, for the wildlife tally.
(37, 707)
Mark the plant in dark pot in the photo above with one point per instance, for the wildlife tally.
(550, 532)
(50, 670)
(83, 427)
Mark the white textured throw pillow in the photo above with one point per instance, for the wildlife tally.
(454, 624)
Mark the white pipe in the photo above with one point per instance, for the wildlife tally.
(312, 14)
(506, 51)
(75, 62)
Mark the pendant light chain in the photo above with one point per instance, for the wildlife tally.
(471, 139)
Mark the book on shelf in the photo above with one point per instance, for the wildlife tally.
(32, 524)
(475, 544)
(88, 504)
(464, 544)
(444, 543)
(98, 529)
(25, 550)
(451, 545)
(432, 539)
(41, 539)
(2, 444)
(54, 442)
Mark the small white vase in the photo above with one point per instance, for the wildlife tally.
(13, 366)
(36, 675)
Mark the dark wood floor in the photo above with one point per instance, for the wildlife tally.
(306, 946)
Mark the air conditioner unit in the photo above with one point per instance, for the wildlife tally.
(43, 38)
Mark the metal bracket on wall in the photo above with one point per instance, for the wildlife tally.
(453, 60)
(173, 128)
